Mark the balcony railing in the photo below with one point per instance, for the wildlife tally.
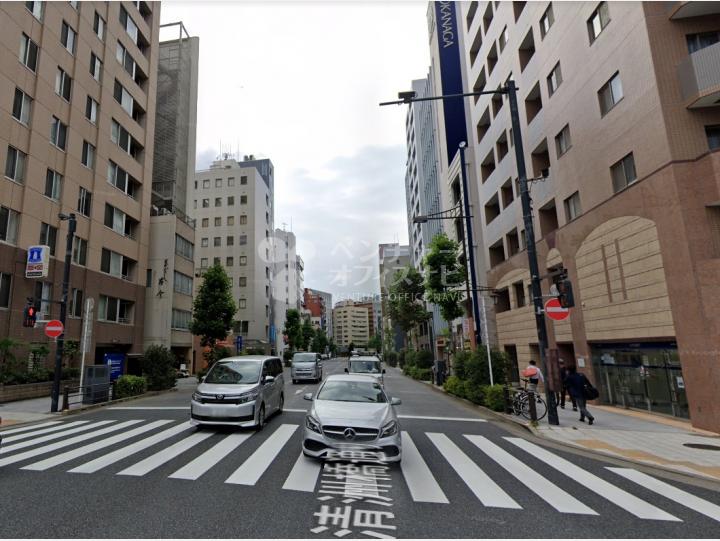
(699, 76)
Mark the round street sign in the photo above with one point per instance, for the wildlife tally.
(553, 310)
(54, 328)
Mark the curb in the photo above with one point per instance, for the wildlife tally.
(118, 401)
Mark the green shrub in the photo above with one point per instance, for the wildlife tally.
(454, 385)
(473, 392)
(459, 364)
(159, 368)
(411, 358)
(129, 386)
(494, 397)
(401, 357)
(70, 373)
(423, 374)
(409, 370)
(424, 358)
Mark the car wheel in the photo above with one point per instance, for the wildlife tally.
(261, 418)
(282, 403)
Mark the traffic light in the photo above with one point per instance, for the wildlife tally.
(29, 316)
(565, 293)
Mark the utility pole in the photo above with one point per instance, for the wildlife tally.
(63, 309)
(531, 251)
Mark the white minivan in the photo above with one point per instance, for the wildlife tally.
(306, 366)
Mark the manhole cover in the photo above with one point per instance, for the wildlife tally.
(703, 446)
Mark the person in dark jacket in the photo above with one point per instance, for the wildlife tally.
(575, 384)
(561, 395)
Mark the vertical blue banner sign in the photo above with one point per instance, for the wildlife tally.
(116, 361)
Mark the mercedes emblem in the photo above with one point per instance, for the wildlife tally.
(349, 434)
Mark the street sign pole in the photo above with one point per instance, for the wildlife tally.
(86, 336)
(63, 309)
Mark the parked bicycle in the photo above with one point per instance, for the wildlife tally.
(521, 403)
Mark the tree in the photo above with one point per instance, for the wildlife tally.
(70, 350)
(308, 333)
(213, 308)
(375, 343)
(405, 301)
(293, 329)
(319, 342)
(159, 368)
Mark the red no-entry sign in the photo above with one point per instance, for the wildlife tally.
(553, 310)
(54, 328)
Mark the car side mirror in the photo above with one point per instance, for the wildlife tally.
(347, 371)
(307, 396)
(395, 401)
(268, 379)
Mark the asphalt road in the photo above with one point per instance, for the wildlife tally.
(137, 471)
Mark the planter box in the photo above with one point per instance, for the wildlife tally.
(11, 393)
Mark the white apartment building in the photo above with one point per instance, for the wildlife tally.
(232, 204)
(351, 325)
(285, 293)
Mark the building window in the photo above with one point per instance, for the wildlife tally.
(598, 21)
(242, 260)
(184, 247)
(562, 141)
(120, 178)
(58, 133)
(242, 281)
(36, 8)
(68, 37)
(99, 26)
(230, 240)
(696, 42)
(218, 201)
(182, 283)
(554, 80)
(216, 241)
(623, 172)
(231, 201)
(5, 288)
(122, 138)
(48, 236)
(79, 252)
(231, 182)
(84, 201)
(129, 25)
(181, 319)
(242, 240)
(88, 155)
(231, 220)
(115, 310)
(206, 222)
(205, 203)
(206, 183)
(243, 199)
(63, 84)
(242, 304)
(127, 61)
(204, 242)
(218, 221)
(243, 180)
(203, 263)
(8, 225)
(216, 260)
(76, 303)
(572, 207)
(519, 289)
(243, 219)
(546, 21)
(53, 184)
(43, 293)
(116, 264)
(22, 105)
(119, 222)
(229, 261)
(15, 164)
(91, 110)
(713, 136)
(195, 203)
(218, 183)
(95, 67)
(28, 52)
(610, 94)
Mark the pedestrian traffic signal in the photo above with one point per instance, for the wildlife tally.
(565, 293)
(29, 316)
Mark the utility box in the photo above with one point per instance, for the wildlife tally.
(96, 384)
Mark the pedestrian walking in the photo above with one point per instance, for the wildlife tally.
(581, 390)
(564, 390)
(534, 375)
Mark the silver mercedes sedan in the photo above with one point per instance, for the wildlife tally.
(352, 413)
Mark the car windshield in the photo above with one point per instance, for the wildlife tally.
(352, 391)
(300, 358)
(234, 372)
(365, 367)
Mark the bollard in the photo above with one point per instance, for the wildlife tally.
(533, 408)
(506, 398)
(66, 399)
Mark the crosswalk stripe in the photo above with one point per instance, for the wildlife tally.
(26, 428)
(552, 494)
(304, 475)
(50, 437)
(194, 469)
(486, 490)
(423, 486)
(96, 446)
(161, 457)
(256, 464)
(40, 432)
(115, 456)
(66, 443)
(672, 493)
(616, 495)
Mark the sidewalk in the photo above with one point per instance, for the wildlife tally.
(25, 411)
(638, 436)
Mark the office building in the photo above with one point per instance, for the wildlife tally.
(285, 296)
(351, 325)
(392, 258)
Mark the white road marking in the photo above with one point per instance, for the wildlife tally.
(672, 493)
(304, 475)
(165, 455)
(193, 470)
(619, 497)
(256, 464)
(427, 418)
(80, 451)
(486, 490)
(299, 391)
(149, 408)
(423, 486)
(295, 410)
(552, 494)
(17, 437)
(66, 443)
(26, 428)
(116, 456)
(50, 437)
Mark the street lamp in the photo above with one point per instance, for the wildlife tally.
(511, 90)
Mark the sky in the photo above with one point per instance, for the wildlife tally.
(300, 83)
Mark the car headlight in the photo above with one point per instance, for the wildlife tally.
(389, 429)
(197, 397)
(313, 424)
(248, 397)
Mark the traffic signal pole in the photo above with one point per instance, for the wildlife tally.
(55, 398)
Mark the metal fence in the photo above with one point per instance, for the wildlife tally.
(97, 393)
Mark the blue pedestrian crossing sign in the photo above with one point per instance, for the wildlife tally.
(38, 261)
